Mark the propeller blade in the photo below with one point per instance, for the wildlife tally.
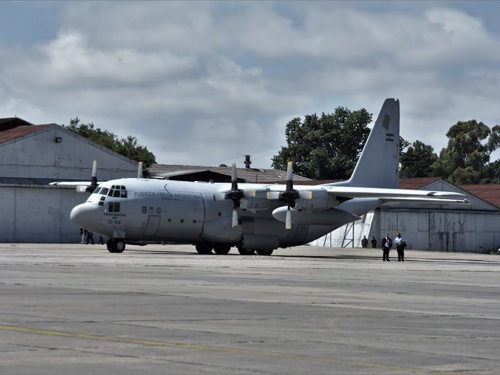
(139, 170)
(289, 176)
(288, 219)
(235, 218)
(234, 178)
(93, 180)
(94, 173)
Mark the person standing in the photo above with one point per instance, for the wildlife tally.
(386, 247)
(400, 246)
(364, 242)
(374, 242)
(90, 237)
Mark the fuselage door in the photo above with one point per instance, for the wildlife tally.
(152, 225)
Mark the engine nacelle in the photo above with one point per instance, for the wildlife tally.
(315, 200)
(255, 204)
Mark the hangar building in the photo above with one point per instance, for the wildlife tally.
(31, 156)
(470, 228)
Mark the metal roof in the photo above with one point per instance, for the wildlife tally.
(12, 122)
(20, 131)
(488, 193)
(244, 174)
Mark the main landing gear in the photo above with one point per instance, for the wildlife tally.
(218, 248)
(115, 245)
(263, 252)
(223, 249)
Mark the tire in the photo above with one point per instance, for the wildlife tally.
(222, 249)
(204, 248)
(265, 252)
(244, 251)
(115, 245)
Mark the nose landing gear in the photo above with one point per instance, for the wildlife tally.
(115, 245)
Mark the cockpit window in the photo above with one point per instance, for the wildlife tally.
(113, 207)
(96, 190)
(104, 191)
(117, 191)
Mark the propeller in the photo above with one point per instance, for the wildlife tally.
(289, 195)
(235, 195)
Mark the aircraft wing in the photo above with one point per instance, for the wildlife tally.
(71, 183)
(404, 194)
(80, 186)
(321, 197)
(426, 200)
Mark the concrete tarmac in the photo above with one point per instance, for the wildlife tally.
(77, 309)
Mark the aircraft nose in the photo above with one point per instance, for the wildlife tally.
(85, 215)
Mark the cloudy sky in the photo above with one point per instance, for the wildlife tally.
(205, 83)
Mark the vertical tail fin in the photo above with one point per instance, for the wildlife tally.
(378, 164)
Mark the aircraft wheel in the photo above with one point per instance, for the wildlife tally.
(204, 248)
(244, 251)
(222, 249)
(265, 252)
(115, 245)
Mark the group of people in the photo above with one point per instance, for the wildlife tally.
(387, 244)
(88, 237)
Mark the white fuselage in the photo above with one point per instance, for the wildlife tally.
(187, 212)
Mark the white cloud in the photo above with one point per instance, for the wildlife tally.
(202, 82)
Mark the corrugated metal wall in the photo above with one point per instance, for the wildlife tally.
(440, 230)
(31, 214)
(446, 230)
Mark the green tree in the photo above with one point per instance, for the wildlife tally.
(491, 173)
(417, 160)
(325, 147)
(127, 147)
(465, 160)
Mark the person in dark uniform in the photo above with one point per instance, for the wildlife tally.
(386, 247)
(364, 242)
(90, 237)
(374, 242)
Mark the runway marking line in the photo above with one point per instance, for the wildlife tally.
(87, 336)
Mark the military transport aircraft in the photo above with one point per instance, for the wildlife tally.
(252, 217)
